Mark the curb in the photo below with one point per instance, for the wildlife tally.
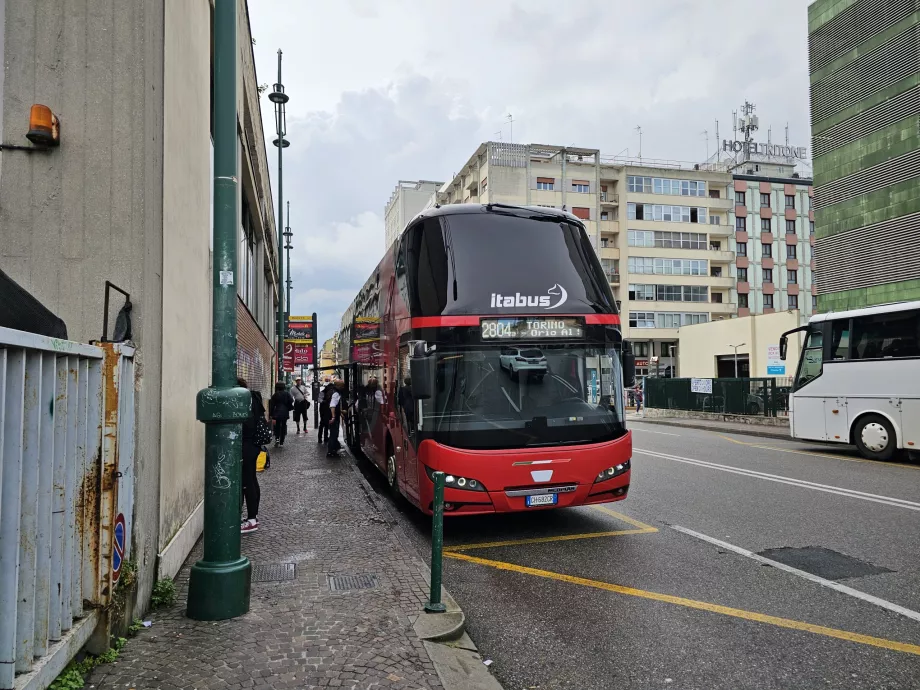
(454, 655)
(758, 432)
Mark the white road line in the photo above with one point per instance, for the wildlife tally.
(840, 491)
(830, 584)
(649, 431)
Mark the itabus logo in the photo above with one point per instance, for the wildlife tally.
(519, 300)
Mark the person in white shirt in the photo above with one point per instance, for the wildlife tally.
(301, 404)
(336, 405)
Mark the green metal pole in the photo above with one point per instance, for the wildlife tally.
(434, 604)
(219, 583)
(279, 123)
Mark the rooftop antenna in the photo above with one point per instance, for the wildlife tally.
(639, 129)
(787, 134)
(717, 138)
(510, 128)
(499, 133)
(705, 133)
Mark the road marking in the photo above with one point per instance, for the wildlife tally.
(819, 454)
(801, 483)
(641, 528)
(649, 431)
(543, 540)
(625, 518)
(699, 605)
(913, 615)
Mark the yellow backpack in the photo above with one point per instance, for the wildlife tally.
(260, 461)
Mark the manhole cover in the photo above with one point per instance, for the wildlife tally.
(341, 583)
(315, 473)
(822, 562)
(272, 572)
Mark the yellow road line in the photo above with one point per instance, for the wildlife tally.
(819, 454)
(699, 605)
(641, 528)
(544, 540)
(625, 518)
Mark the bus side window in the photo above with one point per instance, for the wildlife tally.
(840, 339)
(891, 335)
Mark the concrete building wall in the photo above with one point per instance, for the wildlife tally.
(700, 346)
(865, 90)
(186, 275)
(92, 209)
(409, 198)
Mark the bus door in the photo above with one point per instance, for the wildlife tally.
(806, 413)
(405, 431)
(836, 418)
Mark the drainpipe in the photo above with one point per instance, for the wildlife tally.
(219, 582)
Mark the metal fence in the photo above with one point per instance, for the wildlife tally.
(66, 446)
(762, 397)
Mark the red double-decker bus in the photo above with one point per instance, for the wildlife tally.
(486, 344)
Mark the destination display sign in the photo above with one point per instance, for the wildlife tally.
(531, 328)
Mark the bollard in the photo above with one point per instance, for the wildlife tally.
(434, 604)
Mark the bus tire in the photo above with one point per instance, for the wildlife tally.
(875, 437)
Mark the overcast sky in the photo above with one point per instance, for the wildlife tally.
(383, 90)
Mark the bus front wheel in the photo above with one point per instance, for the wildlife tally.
(875, 437)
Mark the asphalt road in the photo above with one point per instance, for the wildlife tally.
(665, 589)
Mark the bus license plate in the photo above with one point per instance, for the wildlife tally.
(542, 500)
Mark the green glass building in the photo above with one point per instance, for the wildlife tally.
(864, 60)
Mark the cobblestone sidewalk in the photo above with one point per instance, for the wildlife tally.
(302, 632)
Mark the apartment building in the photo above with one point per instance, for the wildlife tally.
(662, 232)
(864, 59)
(408, 200)
(773, 240)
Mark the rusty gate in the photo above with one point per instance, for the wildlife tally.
(66, 496)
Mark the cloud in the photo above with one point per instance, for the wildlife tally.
(383, 91)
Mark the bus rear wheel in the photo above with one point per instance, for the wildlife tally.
(875, 438)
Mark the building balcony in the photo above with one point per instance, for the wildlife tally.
(609, 253)
(613, 278)
(721, 308)
(723, 229)
(720, 204)
(612, 226)
(610, 199)
(655, 279)
(721, 255)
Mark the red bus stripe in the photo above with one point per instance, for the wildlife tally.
(447, 321)
(602, 319)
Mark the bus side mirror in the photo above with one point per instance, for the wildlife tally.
(422, 369)
(783, 344)
(629, 367)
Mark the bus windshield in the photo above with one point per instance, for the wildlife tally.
(512, 396)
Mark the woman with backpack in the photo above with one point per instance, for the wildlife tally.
(279, 407)
(256, 432)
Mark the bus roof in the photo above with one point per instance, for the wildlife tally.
(454, 209)
(865, 311)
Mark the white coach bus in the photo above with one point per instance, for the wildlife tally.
(858, 379)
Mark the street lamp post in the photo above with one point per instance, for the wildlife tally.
(219, 583)
(287, 250)
(280, 99)
(735, 348)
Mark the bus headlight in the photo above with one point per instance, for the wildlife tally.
(612, 472)
(453, 481)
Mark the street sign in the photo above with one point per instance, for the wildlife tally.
(701, 386)
(118, 546)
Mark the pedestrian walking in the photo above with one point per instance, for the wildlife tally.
(301, 404)
(251, 449)
(638, 395)
(336, 407)
(325, 396)
(279, 407)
